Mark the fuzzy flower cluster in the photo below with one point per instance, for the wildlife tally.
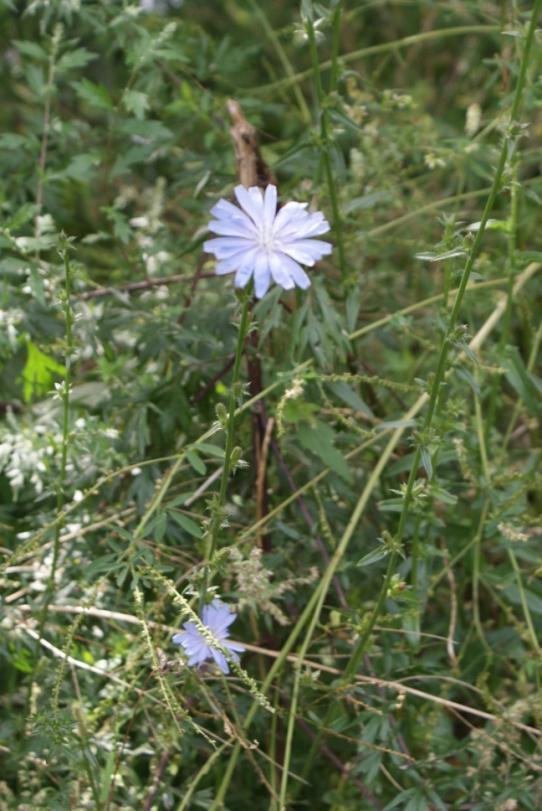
(257, 241)
(23, 457)
(217, 618)
(9, 321)
(255, 587)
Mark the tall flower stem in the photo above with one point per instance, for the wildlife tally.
(335, 43)
(442, 362)
(511, 268)
(324, 135)
(64, 443)
(218, 507)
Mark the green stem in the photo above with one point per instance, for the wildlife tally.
(372, 50)
(60, 495)
(530, 366)
(359, 651)
(295, 693)
(283, 58)
(325, 147)
(511, 266)
(476, 565)
(335, 44)
(216, 520)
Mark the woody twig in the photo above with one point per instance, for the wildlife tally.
(252, 170)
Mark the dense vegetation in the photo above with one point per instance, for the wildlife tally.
(352, 468)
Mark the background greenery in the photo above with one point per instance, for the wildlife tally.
(392, 556)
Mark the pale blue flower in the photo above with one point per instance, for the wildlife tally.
(257, 240)
(217, 616)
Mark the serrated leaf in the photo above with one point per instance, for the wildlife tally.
(31, 49)
(35, 244)
(319, 439)
(80, 168)
(297, 409)
(136, 102)
(23, 215)
(94, 94)
(38, 372)
(12, 140)
(72, 60)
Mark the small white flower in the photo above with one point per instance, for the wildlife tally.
(261, 242)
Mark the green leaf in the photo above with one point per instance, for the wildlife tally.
(23, 215)
(94, 94)
(210, 450)
(522, 381)
(187, 524)
(347, 394)
(196, 462)
(31, 49)
(297, 409)
(121, 227)
(319, 438)
(34, 244)
(427, 462)
(14, 141)
(38, 372)
(72, 60)
(373, 557)
(431, 256)
(80, 168)
(136, 102)
(367, 201)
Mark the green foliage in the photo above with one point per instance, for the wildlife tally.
(360, 476)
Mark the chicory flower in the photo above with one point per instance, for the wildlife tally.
(258, 241)
(217, 617)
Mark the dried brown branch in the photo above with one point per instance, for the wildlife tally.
(252, 170)
(145, 284)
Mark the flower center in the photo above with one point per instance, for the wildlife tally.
(266, 240)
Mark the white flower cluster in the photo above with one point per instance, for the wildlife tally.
(9, 319)
(22, 459)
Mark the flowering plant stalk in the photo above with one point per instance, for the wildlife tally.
(64, 394)
(216, 519)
